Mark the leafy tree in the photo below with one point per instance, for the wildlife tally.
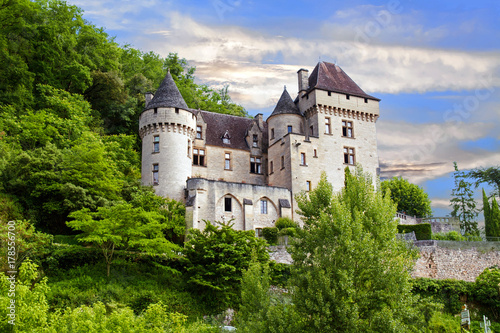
(350, 272)
(123, 226)
(409, 198)
(495, 220)
(463, 203)
(215, 260)
(487, 291)
(489, 175)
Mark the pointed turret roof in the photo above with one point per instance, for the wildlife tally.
(167, 95)
(286, 105)
(330, 77)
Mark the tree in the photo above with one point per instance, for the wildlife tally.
(215, 260)
(489, 175)
(463, 203)
(123, 226)
(495, 220)
(488, 227)
(409, 198)
(350, 272)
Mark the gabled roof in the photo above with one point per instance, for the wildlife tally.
(167, 95)
(330, 77)
(285, 105)
(236, 128)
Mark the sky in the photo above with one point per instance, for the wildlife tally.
(435, 65)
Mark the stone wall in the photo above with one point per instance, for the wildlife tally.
(455, 260)
(438, 259)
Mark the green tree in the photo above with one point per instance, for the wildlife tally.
(495, 220)
(489, 229)
(123, 226)
(463, 203)
(487, 291)
(489, 175)
(409, 198)
(350, 272)
(215, 260)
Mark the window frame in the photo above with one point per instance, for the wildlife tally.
(156, 174)
(348, 153)
(156, 144)
(328, 125)
(272, 133)
(289, 128)
(196, 156)
(227, 161)
(346, 128)
(199, 132)
(256, 165)
(303, 160)
(263, 206)
(255, 141)
(308, 186)
(228, 203)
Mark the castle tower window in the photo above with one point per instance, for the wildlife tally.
(329, 93)
(289, 129)
(198, 156)
(155, 174)
(176, 110)
(282, 162)
(366, 100)
(308, 185)
(189, 149)
(227, 161)
(311, 130)
(347, 129)
(263, 206)
(271, 167)
(302, 158)
(255, 164)
(255, 141)
(315, 153)
(199, 132)
(349, 156)
(272, 133)
(156, 144)
(228, 204)
(347, 96)
(328, 125)
(155, 110)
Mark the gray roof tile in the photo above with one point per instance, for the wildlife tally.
(167, 95)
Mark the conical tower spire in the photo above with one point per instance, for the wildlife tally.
(167, 95)
(285, 105)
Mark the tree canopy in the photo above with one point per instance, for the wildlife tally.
(410, 199)
(463, 203)
(350, 271)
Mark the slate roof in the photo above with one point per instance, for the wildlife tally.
(236, 127)
(285, 105)
(167, 95)
(330, 77)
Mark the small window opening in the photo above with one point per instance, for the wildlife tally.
(228, 204)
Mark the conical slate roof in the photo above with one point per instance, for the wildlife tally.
(286, 105)
(167, 95)
(330, 77)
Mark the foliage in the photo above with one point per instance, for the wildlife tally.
(495, 219)
(447, 292)
(463, 203)
(350, 272)
(487, 291)
(270, 235)
(489, 229)
(489, 175)
(450, 235)
(215, 260)
(31, 307)
(423, 231)
(288, 232)
(21, 238)
(410, 199)
(444, 323)
(123, 226)
(260, 312)
(279, 274)
(285, 222)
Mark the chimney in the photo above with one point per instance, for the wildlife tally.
(260, 120)
(149, 97)
(303, 80)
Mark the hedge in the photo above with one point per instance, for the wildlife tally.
(423, 231)
(270, 235)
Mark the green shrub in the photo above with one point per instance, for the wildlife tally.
(451, 236)
(288, 232)
(423, 231)
(66, 239)
(279, 274)
(446, 292)
(285, 222)
(270, 235)
(444, 323)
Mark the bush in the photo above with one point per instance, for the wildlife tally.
(451, 236)
(285, 222)
(444, 323)
(423, 231)
(270, 235)
(288, 232)
(279, 274)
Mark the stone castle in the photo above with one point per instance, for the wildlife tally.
(248, 170)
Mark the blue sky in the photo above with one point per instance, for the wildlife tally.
(434, 64)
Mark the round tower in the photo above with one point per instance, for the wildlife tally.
(286, 118)
(167, 128)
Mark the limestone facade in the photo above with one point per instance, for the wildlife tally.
(249, 170)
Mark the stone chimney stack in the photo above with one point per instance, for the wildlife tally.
(260, 120)
(303, 81)
(149, 97)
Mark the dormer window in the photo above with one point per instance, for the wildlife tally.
(289, 129)
(226, 138)
(199, 132)
(347, 96)
(255, 141)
